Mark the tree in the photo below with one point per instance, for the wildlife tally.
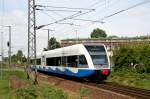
(113, 37)
(98, 33)
(19, 56)
(52, 44)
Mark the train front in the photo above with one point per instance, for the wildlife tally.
(100, 61)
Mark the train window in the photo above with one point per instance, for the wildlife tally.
(77, 61)
(82, 62)
(32, 61)
(64, 61)
(95, 48)
(54, 61)
(99, 59)
(38, 61)
(72, 61)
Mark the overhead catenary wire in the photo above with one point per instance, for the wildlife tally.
(63, 7)
(58, 14)
(56, 20)
(57, 10)
(96, 21)
(111, 3)
(96, 3)
(136, 5)
(48, 15)
(74, 18)
(66, 18)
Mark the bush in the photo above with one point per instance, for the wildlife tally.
(40, 92)
(133, 56)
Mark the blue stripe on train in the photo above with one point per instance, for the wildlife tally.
(80, 73)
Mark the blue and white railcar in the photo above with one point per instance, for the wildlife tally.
(80, 60)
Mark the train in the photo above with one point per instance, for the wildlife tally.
(87, 61)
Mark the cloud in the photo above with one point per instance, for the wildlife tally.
(18, 20)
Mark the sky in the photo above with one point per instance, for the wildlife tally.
(134, 22)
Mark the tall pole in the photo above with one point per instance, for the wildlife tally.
(1, 53)
(32, 35)
(9, 52)
(48, 35)
(77, 39)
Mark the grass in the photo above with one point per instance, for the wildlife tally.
(30, 91)
(19, 74)
(39, 92)
(83, 92)
(131, 78)
(4, 89)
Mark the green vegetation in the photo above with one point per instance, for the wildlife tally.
(52, 44)
(132, 66)
(83, 91)
(98, 33)
(29, 91)
(40, 92)
(130, 77)
(133, 56)
(5, 91)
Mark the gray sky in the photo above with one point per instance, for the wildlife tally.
(134, 22)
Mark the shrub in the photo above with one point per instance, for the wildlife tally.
(133, 56)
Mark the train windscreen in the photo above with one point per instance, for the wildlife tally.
(98, 55)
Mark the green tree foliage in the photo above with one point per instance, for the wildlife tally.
(52, 44)
(135, 56)
(98, 33)
(19, 57)
(113, 37)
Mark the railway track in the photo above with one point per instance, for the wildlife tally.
(123, 90)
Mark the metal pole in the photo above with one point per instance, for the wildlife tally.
(28, 60)
(48, 36)
(34, 22)
(9, 52)
(28, 33)
(32, 35)
(1, 54)
(76, 37)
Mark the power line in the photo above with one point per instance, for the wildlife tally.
(136, 5)
(66, 18)
(48, 15)
(89, 20)
(96, 3)
(57, 10)
(62, 7)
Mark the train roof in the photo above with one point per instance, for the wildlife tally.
(69, 50)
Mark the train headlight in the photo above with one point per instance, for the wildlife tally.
(105, 72)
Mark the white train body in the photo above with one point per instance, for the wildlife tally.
(80, 60)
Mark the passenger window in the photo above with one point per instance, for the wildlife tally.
(72, 61)
(38, 61)
(82, 62)
(64, 61)
(32, 61)
(55, 61)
